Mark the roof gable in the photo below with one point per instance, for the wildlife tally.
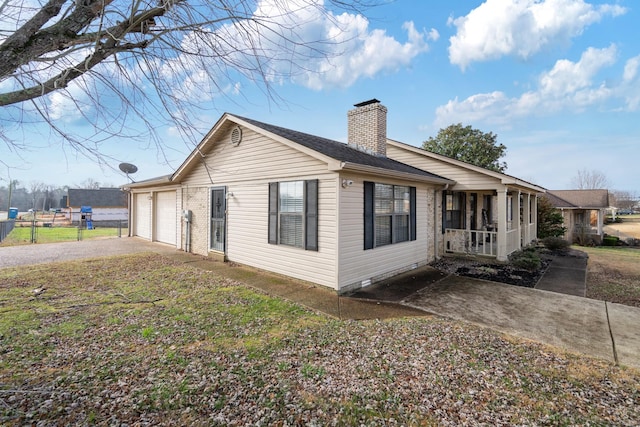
(324, 149)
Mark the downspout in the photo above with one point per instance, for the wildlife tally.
(130, 215)
(187, 240)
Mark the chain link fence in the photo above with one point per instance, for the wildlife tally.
(37, 231)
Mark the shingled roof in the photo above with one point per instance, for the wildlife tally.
(341, 151)
(101, 198)
(579, 199)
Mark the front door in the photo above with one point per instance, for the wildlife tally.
(218, 219)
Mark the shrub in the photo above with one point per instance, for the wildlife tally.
(550, 220)
(632, 241)
(526, 259)
(610, 241)
(555, 243)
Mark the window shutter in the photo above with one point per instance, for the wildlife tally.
(369, 216)
(273, 213)
(311, 215)
(444, 210)
(463, 210)
(412, 213)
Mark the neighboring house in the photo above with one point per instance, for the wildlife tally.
(583, 212)
(108, 205)
(339, 215)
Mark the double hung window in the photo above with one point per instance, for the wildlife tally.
(454, 212)
(293, 214)
(390, 215)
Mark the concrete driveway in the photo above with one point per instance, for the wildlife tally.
(596, 328)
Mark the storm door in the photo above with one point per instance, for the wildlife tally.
(218, 219)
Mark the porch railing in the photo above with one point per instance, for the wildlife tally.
(513, 241)
(471, 242)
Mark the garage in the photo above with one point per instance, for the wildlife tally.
(142, 215)
(164, 218)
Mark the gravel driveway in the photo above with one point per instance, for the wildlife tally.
(12, 256)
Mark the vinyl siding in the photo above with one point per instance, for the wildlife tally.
(466, 180)
(100, 214)
(255, 158)
(355, 263)
(247, 232)
(246, 170)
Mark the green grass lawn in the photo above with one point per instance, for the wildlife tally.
(22, 235)
(143, 340)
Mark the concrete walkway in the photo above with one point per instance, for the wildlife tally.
(555, 312)
(566, 275)
(596, 328)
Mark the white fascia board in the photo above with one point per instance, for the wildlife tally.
(354, 167)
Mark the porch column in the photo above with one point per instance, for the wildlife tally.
(501, 254)
(600, 221)
(518, 221)
(535, 218)
(526, 214)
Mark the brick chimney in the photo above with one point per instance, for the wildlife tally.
(368, 127)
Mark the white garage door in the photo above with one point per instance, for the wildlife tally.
(142, 216)
(165, 217)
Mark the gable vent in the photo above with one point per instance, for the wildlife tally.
(236, 136)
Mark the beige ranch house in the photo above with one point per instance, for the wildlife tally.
(338, 215)
(583, 213)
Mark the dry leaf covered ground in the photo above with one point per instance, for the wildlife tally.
(141, 340)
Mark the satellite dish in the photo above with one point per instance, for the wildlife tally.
(128, 168)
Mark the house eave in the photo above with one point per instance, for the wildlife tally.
(504, 178)
(154, 182)
(510, 181)
(372, 170)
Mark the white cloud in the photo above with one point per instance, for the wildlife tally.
(364, 53)
(69, 104)
(631, 84)
(631, 69)
(570, 86)
(568, 77)
(520, 28)
(299, 41)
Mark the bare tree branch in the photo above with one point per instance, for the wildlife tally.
(151, 62)
(590, 180)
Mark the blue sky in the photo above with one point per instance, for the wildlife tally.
(557, 80)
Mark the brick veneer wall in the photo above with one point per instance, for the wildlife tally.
(196, 199)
